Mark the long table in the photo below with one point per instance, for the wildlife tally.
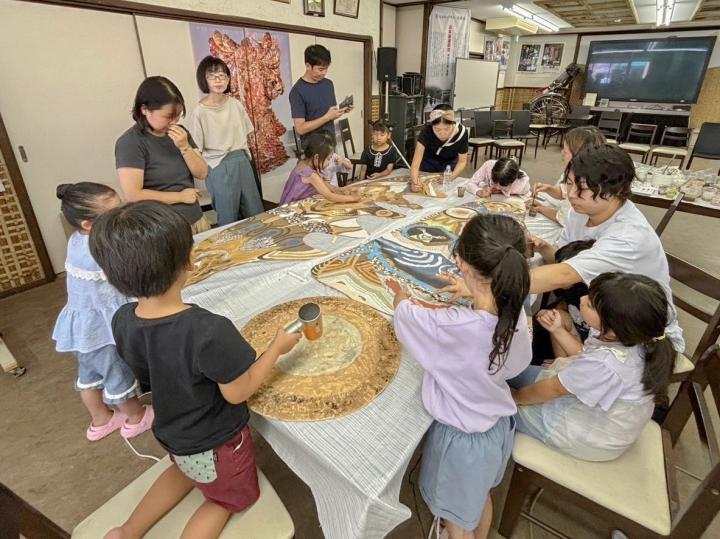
(354, 465)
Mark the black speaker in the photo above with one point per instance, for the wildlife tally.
(386, 63)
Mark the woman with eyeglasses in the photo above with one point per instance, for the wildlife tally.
(220, 126)
(442, 142)
(157, 159)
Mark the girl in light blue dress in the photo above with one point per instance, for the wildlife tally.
(106, 384)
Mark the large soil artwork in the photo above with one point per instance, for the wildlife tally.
(411, 256)
(283, 234)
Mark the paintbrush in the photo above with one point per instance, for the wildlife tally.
(668, 165)
(532, 212)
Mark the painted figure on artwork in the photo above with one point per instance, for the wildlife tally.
(256, 87)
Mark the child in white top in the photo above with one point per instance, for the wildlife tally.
(499, 176)
(595, 403)
(468, 354)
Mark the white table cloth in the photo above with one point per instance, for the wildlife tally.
(354, 465)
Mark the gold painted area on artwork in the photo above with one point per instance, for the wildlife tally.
(354, 361)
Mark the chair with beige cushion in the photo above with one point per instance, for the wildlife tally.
(673, 145)
(610, 123)
(503, 142)
(481, 135)
(707, 285)
(635, 493)
(645, 134)
(267, 518)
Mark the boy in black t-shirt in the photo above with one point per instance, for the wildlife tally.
(378, 159)
(199, 367)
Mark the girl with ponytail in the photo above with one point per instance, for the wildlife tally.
(595, 404)
(468, 354)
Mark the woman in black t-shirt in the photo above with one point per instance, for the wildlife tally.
(442, 142)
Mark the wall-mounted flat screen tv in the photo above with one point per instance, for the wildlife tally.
(666, 70)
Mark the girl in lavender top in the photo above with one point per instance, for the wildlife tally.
(595, 403)
(468, 354)
(305, 179)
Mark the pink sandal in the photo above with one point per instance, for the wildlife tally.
(130, 431)
(116, 422)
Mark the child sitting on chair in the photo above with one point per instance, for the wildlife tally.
(306, 178)
(595, 403)
(378, 159)
(567, 303)
(200, 369)
(501, 176)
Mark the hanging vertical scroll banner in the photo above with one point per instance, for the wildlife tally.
(448, 39)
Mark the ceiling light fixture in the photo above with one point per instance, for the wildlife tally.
(529, 16)
(664, 12)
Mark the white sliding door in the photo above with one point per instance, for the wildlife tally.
(68, 81)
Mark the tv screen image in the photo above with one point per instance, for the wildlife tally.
(667, 70)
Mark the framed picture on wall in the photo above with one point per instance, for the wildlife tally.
(316, 8)
(347, 8)
(529, 57)
(552, 56)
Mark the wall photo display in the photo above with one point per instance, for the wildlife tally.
(315, 8)
(552, 56)
(347, 8)
(529, 57)
(498, 50)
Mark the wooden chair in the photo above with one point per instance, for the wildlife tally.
(610, 123)
(645, 133)
(521, 127)
(637, 492)
(266, 518)
(707, 144)
(503, 141)
(707, 285)
(673, 144)
(669, 213)
(482, 134)
(18, 517)
(345, 137)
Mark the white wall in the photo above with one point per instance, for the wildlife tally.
(388, 29)
(367, 23)
(513, 77)
(408, 38)
(585, 42)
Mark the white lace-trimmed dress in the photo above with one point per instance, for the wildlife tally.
(84, 326)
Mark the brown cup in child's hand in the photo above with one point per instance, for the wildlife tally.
(484, 192)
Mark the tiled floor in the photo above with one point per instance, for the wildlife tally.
(46, 460)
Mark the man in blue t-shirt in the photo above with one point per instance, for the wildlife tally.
(312, 98)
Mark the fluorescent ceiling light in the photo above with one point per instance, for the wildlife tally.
(530, 17)
(663, 12)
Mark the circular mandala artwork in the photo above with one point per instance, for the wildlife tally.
(354, 361)
(461, 213)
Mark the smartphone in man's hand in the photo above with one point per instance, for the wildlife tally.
(347, 102)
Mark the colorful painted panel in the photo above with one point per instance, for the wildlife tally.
(282, 234)
(412, 255)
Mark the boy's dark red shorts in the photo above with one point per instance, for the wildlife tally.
(236, 487)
